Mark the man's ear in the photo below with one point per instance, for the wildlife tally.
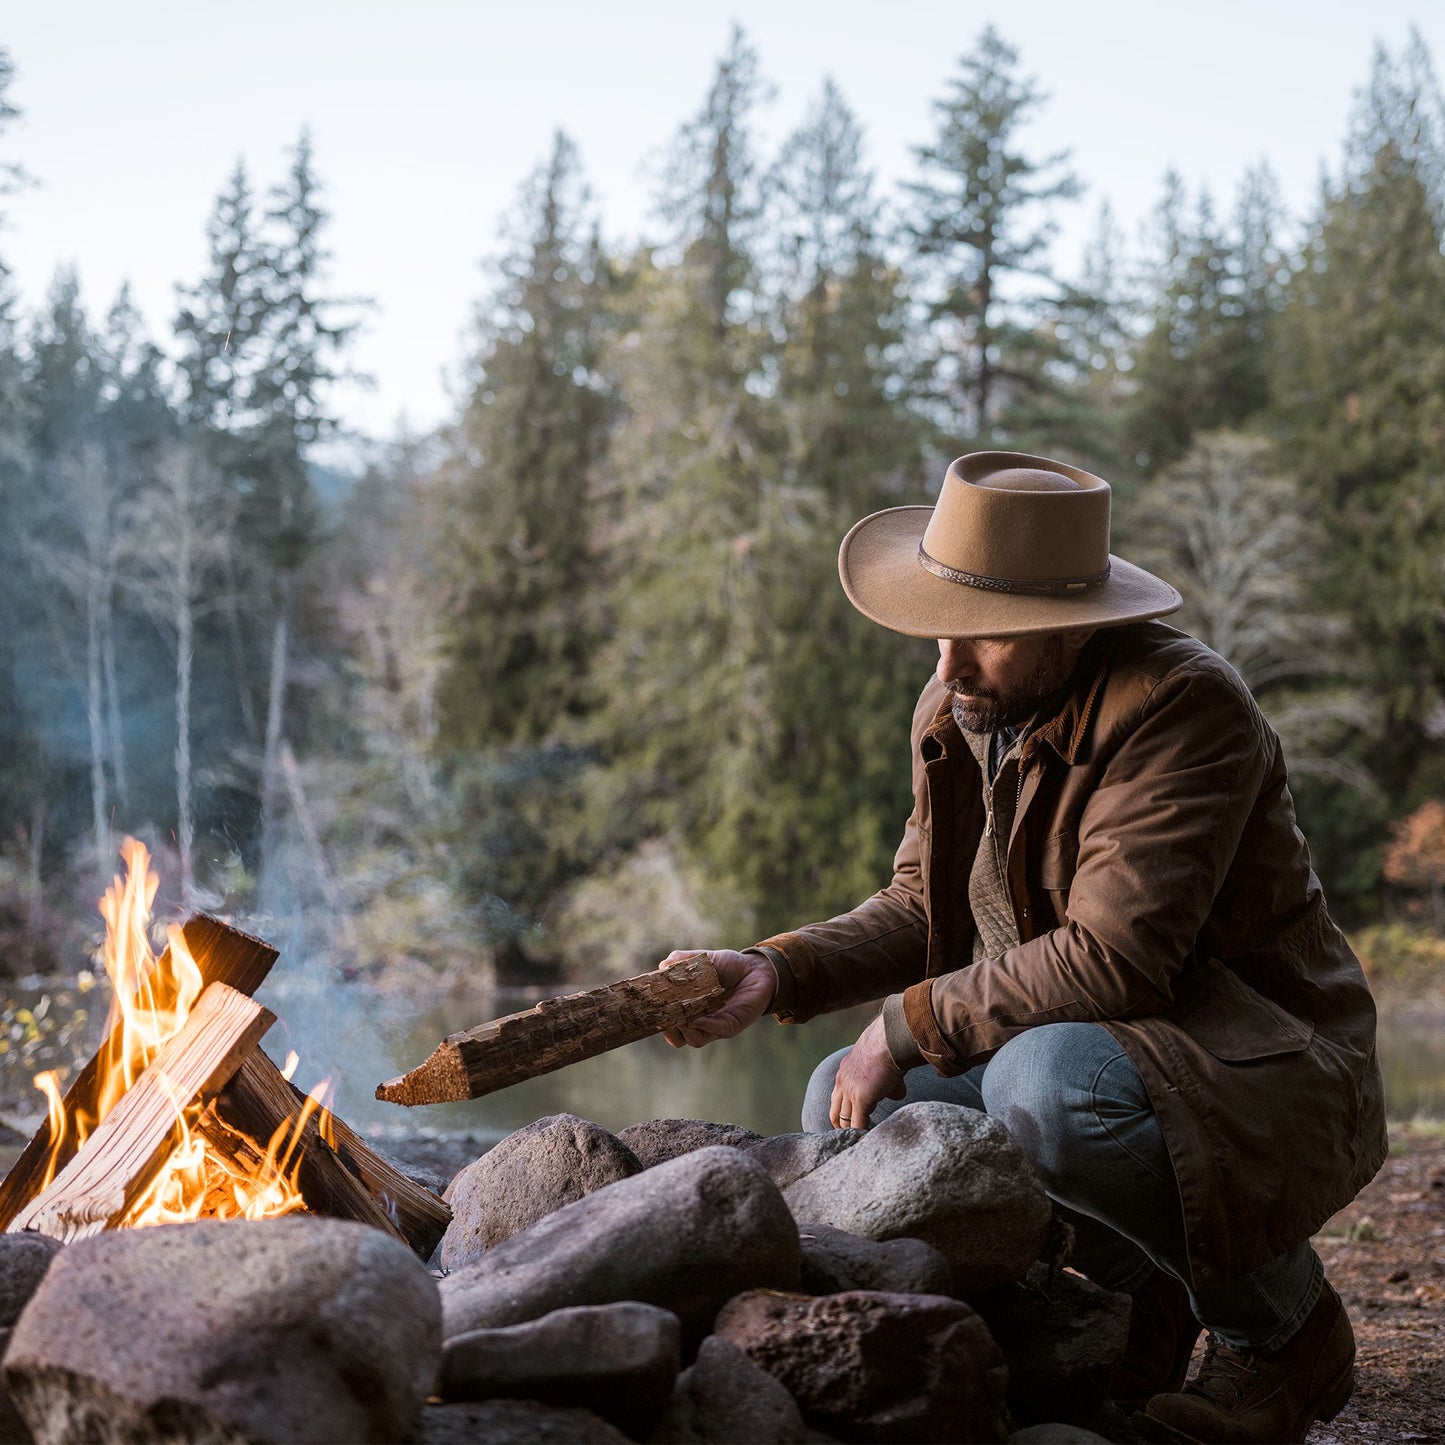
(1076, 637)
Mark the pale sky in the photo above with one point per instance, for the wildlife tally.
(427, 116)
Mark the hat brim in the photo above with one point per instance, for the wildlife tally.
(879, 566)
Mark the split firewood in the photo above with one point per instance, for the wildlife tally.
(101, 1183)
(421, 1215)
(224, 955)
(558, 1032)
(339, 1175)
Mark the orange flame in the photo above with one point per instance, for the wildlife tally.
(213, 1171)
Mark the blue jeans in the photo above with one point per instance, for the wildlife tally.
(1075, 1105)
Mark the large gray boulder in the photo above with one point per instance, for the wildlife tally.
(531, 1173)
(685, 1235)
(617, 1360)
(655, 1141)
(724, 1398)
(292, 1330)
(512, 1422)
(941, 1173)
(788, 1157)
(835, 1261)
(24, 1258)
(877, 1367)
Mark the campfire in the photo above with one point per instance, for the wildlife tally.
(180, 1115)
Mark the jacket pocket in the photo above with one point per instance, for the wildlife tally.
(1219, 1011)
(1059, 861)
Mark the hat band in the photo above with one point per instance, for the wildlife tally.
(1051, 588)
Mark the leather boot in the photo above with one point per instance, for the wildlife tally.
(1162, 1332)
(1250, 1398)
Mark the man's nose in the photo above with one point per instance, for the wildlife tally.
(955, 659)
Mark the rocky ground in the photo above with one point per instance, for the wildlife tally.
(1386, 1256)
(1385, 1253)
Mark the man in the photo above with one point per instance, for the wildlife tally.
(1104, 929)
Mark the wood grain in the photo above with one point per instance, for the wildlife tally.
(558, 1032)
(103, 1181)
(224, 955)
(348, 1181)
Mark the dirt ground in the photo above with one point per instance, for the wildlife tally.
(1386, 1256)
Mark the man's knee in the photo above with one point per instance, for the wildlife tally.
(818, 1101)
(1039, 1086)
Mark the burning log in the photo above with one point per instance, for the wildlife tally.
(223, 955)
(421, 1216)
(558, 1032)
(338, 1174)
(101, 1184)
(179, 1115)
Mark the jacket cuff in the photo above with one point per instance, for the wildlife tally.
(918, 1014)
(902, 1046)
(785, 995)
(796, 963)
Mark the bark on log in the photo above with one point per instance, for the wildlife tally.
(101, 1184)
(224, 955)
(421, 1215)
(558, 1032)
(345, 1180)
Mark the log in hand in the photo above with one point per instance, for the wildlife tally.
(750, 982)
(866, 1075)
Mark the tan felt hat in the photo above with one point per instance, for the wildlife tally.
(1014, 545)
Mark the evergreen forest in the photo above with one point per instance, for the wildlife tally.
(572, 682)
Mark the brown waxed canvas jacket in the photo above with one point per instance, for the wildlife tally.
(1162, 889)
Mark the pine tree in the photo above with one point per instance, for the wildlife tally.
(523, 469)
(816, 823)
(26, 784)
(1361, 398)
(981, 224)
(299, 345)
(1096, 331)
(218, 325)
(1204, 360)
(710, 195)
(697, 479)
(72, 518)
(65, 378)
(262, 344)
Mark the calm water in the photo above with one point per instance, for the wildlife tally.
(356, 1040)
(757, 1079)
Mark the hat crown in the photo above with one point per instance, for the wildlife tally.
(1027, 479)
(1006, 519)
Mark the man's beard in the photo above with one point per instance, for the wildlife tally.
(987, 710)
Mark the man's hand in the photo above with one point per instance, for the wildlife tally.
(750, 982)
(866, 1075)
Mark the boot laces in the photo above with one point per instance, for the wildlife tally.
(1225, 1375)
